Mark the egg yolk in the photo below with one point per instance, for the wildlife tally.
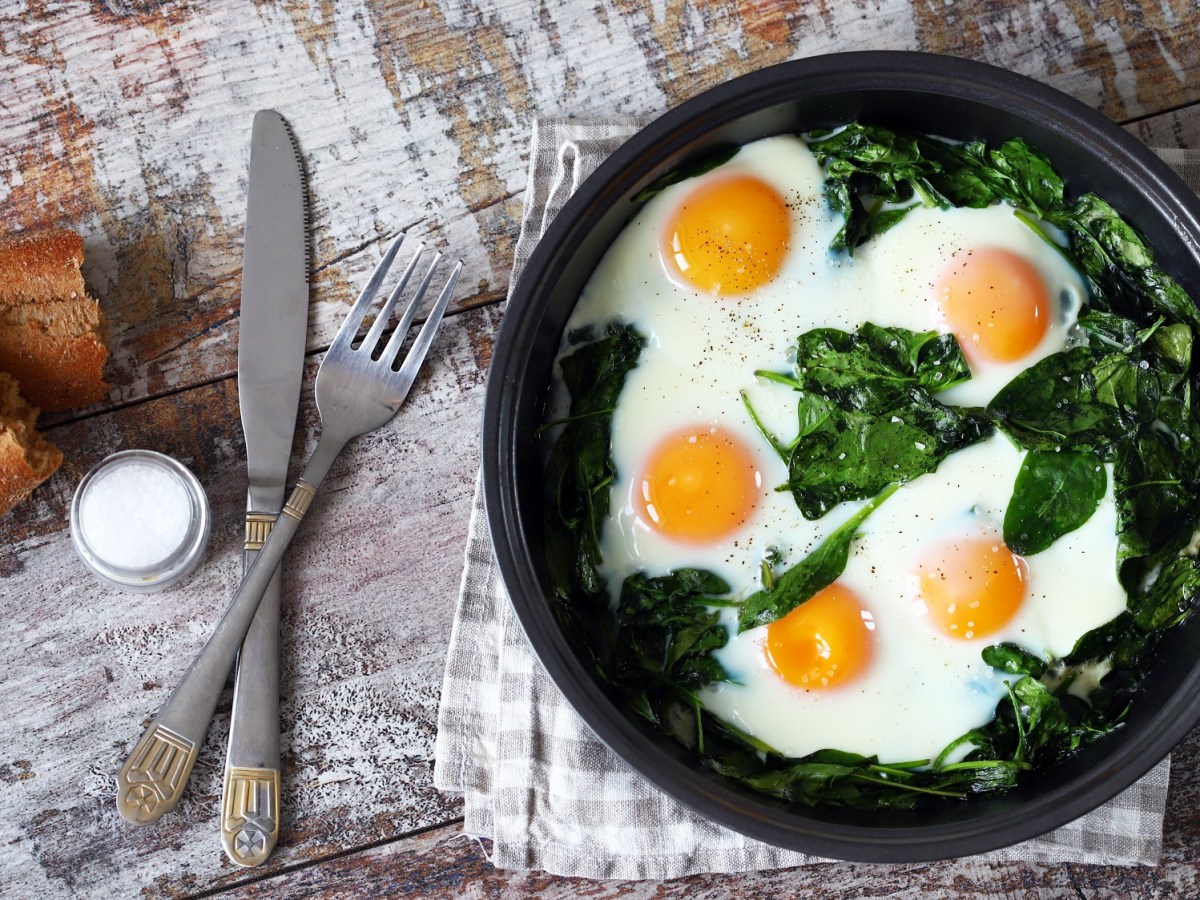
(729, 235)
(972, 587)
(996, 304)
(824, 642)
(699, 485)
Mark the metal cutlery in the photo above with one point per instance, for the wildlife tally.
(273, 325)
(359, 388)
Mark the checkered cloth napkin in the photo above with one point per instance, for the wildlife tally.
(536, 780)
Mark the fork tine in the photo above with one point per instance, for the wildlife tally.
(358, 311)
(410, 311)
(392, 350)
(416, 354)
(381, 320)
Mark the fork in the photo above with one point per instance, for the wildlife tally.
(359, 388)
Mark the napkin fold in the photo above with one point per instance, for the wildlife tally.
(541, 785)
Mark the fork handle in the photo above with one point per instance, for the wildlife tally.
(152, 779)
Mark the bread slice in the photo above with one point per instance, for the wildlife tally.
(49, 326)
(26, 458)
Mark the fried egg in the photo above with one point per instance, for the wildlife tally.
(721, 273)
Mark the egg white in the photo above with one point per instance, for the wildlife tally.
(924, 688)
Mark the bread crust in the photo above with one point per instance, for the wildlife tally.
(26, 458)
(49, 326)
(41, 266)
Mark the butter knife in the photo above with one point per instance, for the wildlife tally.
(274, 319)
(152, 779)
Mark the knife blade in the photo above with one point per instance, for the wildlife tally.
(274, 324)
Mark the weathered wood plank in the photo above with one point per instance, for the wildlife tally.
(369, 588)
(444, 862)
(130, 121)
(1177, 128)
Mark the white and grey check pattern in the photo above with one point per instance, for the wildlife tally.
(536, 780)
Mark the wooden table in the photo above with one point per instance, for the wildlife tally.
(130, 121)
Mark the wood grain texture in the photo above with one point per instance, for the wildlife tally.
(444, 862)
(129, 120)
(368, 587)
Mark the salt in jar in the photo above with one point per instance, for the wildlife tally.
(140, 520)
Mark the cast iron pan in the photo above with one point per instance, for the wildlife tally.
(939, 95)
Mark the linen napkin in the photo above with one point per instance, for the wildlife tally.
(541, 785)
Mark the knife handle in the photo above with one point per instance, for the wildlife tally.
(153, 777)
(250, 796)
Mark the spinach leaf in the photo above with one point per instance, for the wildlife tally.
(815, 572)
(1095, 397)
(837, 778)
(866, 413)
(1035, 184)
(873, 368)
(1054, 494)
(579, 471)
(666, 631)
(867, 167)
(972, 174)
(1157, 502)
(1169, 599)
(1119, 266)
(1014, 660)
(876, 163)
(1106, 330)
(1073, 400)
(1042, 726)
(853, 454)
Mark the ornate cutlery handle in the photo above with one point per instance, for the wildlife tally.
(152, 779)
(251, 793)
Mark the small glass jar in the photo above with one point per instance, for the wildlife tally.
(140, 520)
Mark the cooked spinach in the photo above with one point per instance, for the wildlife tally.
(1123, 395)
(1055, 405)
(815, 572)
(874, 368)
(580, 471)
(854, 455)
(665, 632)
(867, 416)
(1055, 493)
(1158, 497)
(866, 403)
(666, 629)
(1119, 266)
(1126, 398)
(1096, 397)
(838, 778)
(869, 170)
(1013, 660)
